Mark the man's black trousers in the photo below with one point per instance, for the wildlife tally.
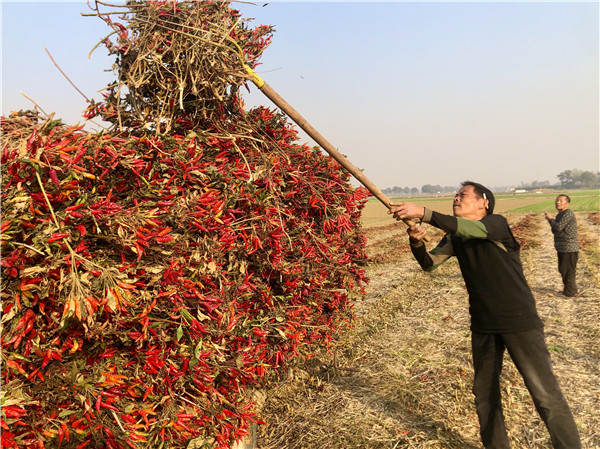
(567, 266)
(531, 357)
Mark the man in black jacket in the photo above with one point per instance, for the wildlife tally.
(502, 308)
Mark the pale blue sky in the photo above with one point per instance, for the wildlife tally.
(412, 93)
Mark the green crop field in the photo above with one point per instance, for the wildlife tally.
(581, 200)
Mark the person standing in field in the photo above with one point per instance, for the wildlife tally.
(564, 228)
(502, 307)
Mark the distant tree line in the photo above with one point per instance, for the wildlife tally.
(427, 189)
(399, 191)
(578, 179)
(568, 179)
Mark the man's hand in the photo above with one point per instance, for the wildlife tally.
(548, 216)
(416, 233)
(404, 210)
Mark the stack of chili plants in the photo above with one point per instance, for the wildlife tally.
(151, 281)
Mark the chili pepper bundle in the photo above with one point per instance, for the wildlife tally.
(150, 281)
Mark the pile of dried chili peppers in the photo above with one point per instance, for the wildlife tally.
(150, 281)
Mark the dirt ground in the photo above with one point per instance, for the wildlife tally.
(401, 377)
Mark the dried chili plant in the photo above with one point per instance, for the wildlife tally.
(177, 63)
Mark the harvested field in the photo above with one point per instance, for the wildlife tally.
(401, 378)
(375, 214)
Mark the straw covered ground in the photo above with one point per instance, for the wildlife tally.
(401, 378)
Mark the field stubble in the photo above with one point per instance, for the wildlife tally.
(401, 377)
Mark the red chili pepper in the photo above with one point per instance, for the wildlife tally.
(29, 327)
(29, 314)
(54, 177)
(46, 359)
(260, 333)
(232, 324)
(79, 154)
(76, 424)
(108, 406)
(65, 158)
(164, 239)
(65, 430)
(16, 365)
(136, 437)
(18, 342)
(128, 419)
(58, 236)
(14, 411)
(125, 285)
(31, 140)
(108, 394)
(164, 231)
(81, 229)
(75, 207)
(146, 394)
(5, 225)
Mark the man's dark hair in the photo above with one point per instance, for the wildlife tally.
(482, 192)
(566, 196)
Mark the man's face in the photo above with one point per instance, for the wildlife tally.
(467, 205)
(561, 203)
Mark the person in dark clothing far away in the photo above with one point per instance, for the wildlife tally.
(502, 307)
(564, 228)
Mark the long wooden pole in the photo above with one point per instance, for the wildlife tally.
(322, 141)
